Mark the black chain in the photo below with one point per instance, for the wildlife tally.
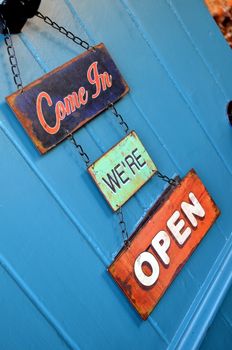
(65, 32)
(82, 153)
(119, 118)
(12, 55)
(167, 179)
(11, 51)
(123, 227)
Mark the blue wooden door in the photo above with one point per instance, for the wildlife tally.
(57, 233)
(219, 334)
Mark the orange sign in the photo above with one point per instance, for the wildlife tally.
(159, 249)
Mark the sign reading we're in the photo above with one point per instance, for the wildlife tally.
(123, 170)
(158, 250)
(65, 99)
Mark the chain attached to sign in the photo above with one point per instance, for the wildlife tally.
(12, 56)
(123, 227)
(80, 149)
(76, 39)
(165, 178)
(49, 112)
(119, 117)
(77, 101)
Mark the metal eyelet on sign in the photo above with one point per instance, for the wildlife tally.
(92, 49)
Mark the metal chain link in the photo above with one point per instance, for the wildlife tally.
(119, 118)
(167, 179)
(80, 149)
(11, 51)
(65, 32)
(123, 227)
(12, 55)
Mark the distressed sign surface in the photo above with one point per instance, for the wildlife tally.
(123, 170)
(68, 97)
(159, 249)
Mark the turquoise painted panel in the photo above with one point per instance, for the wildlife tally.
(57, 232)
(21, 323)
(219, 334)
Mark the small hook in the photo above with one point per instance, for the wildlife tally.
(16, 13)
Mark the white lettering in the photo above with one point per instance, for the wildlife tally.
(149, 259)
(193, 209)
(176, 227)
(160, 243)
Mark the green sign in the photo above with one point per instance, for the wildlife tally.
(123, 170)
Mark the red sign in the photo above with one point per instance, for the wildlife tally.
(159, 249)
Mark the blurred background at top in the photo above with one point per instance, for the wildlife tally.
(221, 11)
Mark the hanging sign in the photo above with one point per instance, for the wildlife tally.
(65, 99)
(159, 249)
(123, 170)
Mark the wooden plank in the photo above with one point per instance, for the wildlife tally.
(123, 170)
(159, 249)
(65, 99)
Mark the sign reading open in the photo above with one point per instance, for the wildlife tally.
(158, 250)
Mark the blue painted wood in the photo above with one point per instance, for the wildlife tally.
(226, 308)
(219, 334)
(21, 323)
(57, 233)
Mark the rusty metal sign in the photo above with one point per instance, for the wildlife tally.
(65, 99)
(161, 246)
(123, 170)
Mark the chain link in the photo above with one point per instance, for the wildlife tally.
(12, 55)
(80, 149)
(119, 118)
(167, 179)
(123, 227)
(65, 32)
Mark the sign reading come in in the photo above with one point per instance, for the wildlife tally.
(65, 99)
